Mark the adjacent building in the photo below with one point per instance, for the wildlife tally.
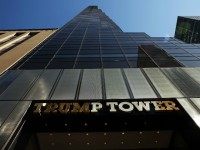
(188, 29)
(15, 44)
(92, 86)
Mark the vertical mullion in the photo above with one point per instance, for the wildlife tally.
(121, 49)
(100, 48)
(75, 62)
(61, 45)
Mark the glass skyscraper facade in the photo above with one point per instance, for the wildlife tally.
(92, 86)
(93, 40)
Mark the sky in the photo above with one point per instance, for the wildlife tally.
(155, 17)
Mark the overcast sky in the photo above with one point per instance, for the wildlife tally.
(155, 17)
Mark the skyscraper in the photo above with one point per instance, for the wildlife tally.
(91, 85)
(92, 40)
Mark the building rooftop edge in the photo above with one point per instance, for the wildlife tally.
(29, 29)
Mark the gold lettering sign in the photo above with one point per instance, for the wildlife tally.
(95, 107)
(77, 108)
(64, 108)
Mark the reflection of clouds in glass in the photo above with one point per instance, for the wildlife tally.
(14, 118)
(166, 38)
(7, 128)
(43, 86)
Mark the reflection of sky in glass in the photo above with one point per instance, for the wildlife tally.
(155, 17)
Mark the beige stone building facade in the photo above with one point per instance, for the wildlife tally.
(15, 44)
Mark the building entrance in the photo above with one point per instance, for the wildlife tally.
(47, 126)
